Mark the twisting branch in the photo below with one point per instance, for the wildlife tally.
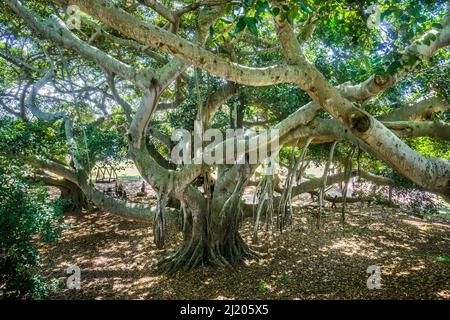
(347, 172)
(125, 106)
(416, 52)
(18, 61)
(9, 110)
(431, 173)
(316, 183)
(30, 101)
(420, 111)
(413, 129)
(162, 10)
(218, 98)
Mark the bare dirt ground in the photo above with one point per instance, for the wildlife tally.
(118, 260)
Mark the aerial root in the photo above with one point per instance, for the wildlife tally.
(186, 258)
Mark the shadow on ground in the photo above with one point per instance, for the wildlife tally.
(118, 260)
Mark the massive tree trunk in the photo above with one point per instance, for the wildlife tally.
(225, 244)
(211, 229)
(210, 238)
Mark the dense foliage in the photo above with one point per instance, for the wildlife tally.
(26, 216)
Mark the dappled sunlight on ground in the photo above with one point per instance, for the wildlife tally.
(118, 260)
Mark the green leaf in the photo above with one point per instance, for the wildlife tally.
(388, 12)
(411, 60)
(443, 259)
(405, 17)
(305, 8)
(290, 16)
(421, 19)
(393, 67)
(436, 25)
(240, 25)
(276, 11)
(251, 24)
(262, 6)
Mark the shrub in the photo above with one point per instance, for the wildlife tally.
(26, 214)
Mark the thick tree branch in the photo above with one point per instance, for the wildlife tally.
(417, 51)
(125, 106)
(187, 51)
(101, 200)
(18, 61)
(420, 111)
(162, 10)
(30, 101)
(55, 168)
(218, 98)
(316, 183)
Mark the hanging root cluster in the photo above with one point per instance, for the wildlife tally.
(324, 185)
(159, 223)
(210, 238)
(264, 197)
(296, 171)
